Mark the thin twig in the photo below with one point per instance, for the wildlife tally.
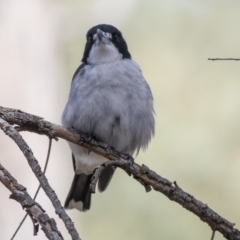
(38, 215)
(98, 171)
(117, 163)
(141, 173)
(45, 166)
(33, 163)
(20, 224)
(35, 196)
(213, 234)
(224, 59)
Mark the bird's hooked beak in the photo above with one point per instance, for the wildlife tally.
(102, 37)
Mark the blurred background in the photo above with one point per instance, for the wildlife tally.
(197, 103)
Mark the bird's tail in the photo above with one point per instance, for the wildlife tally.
(79, 196)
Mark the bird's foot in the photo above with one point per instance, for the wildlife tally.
(128, 158)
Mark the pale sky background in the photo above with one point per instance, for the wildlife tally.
(197, 103)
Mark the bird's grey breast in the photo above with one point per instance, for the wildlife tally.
(112, 102)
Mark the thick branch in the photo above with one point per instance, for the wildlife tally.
(33, 163)
(34, 210)
(143, 174)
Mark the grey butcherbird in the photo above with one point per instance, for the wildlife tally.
(109, 100)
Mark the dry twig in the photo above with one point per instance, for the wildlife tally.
(224, 59)
(38, 189)
(33, 163)
(33, 209)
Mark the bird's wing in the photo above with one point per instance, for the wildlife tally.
(77, 71)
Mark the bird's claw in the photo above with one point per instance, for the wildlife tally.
(130, 161)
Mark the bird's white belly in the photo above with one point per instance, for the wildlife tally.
(85, 161)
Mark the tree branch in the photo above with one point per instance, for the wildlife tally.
(33, 209)
(142, 174)
(38, 189)
(33, 163)
(224, 59)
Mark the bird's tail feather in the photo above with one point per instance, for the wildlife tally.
(105, 178)
(79, 196)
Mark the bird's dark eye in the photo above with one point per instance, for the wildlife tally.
(114, 37)
(90, 39)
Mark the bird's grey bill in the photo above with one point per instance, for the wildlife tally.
(102, 37)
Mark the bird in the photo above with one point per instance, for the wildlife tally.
(110, 101)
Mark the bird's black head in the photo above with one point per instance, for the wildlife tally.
(104, 44)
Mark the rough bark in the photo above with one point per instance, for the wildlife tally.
(34, 210)
(142, 174)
